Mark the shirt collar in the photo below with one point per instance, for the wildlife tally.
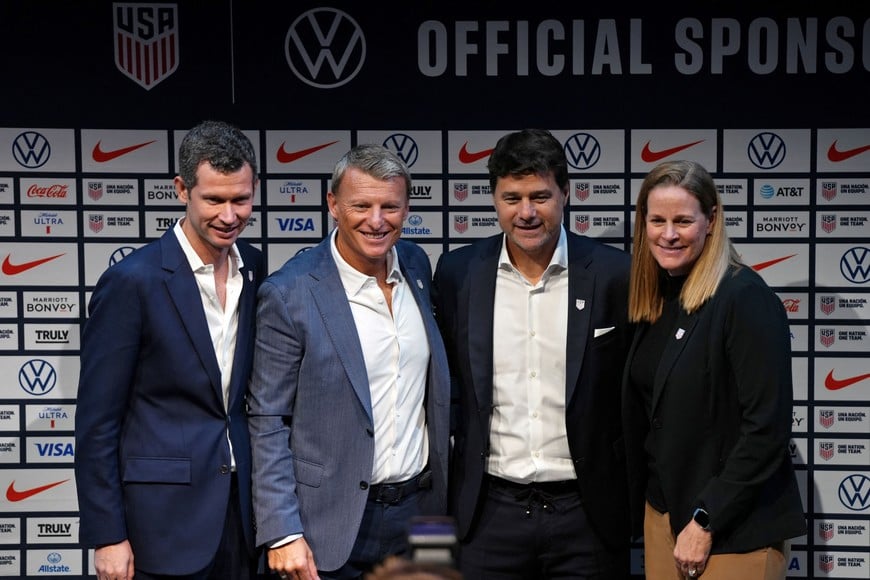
(352, 279)
(196, 263)
(558, 261)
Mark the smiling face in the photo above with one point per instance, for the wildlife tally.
(218, 209)
(369, 213)
(530, 209)
(676, 228)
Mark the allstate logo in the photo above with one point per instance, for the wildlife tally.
(415, 220)
(854, 492)
(767, 191)
(404, 147)
(325, 35)
(766, 150)
(120, 254)
(31, 149)
(582, 150)
(37, 377)
(54, 558)
(855, 265)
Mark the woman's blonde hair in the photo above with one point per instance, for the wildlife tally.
(645, 299)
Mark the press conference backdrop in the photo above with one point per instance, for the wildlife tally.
(772, 99)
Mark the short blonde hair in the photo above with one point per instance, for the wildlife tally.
(645, 300)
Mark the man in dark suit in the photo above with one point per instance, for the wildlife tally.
(350, 391)
(162, 448)
(535, 325)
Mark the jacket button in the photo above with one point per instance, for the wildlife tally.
(369, 432)
(363, 485)
(224, 469)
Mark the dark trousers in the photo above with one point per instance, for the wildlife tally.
(231, 562)
(536, 532)
(383, 532)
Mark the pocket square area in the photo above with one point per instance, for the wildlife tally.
(603, 331)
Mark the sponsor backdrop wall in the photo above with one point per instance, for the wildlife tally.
(96, 96)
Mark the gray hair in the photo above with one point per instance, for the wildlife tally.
(374, 160)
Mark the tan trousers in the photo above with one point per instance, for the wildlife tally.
(658, 553)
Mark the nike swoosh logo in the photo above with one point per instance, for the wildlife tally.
(13, 494)
(836, 155)
(651, 156)
(761, 266)
(833, 384)
(290, 156)
(101, 156)
(466, 156)
(11, 269)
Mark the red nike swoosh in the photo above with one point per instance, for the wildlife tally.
(833, 384)
(288, 157)
(11, 269)
(768, 264)
(651, 156)
(836, 155)
(13, 494)
(101, 156)
(465, 156)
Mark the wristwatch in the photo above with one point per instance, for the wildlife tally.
(702, 518)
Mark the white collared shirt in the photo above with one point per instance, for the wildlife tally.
(223, 321)
(396, 352)
(528, 438)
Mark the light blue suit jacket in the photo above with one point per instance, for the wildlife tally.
(310, 412)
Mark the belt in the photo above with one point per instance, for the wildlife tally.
(392, 493)
(549, 487)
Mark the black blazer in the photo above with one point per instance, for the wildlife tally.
(465, 292)
(721, 416)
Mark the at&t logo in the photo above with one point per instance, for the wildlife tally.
(37, 377)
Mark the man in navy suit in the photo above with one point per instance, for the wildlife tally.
(349, 394)
(535, 325)
(162, 448)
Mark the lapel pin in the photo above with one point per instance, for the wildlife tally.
(580, 304)
(680, 333)
(250, 275)
(419, 284)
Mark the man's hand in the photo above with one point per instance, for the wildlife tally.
(114, 561)
(294, 560)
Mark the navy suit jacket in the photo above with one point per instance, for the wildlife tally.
(312, 430)
(598, 299)
(152, 458)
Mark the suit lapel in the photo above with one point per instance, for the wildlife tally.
(330, 299)
(481, 307)
(185, 296)
(685, 325)
(246, 325)
(581, 285)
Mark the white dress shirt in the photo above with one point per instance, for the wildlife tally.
(396, 352)
(528, 438)
(223, 321)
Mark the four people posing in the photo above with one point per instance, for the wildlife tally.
(563, 429)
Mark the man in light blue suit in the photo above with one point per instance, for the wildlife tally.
(349, 394)
(162, 449)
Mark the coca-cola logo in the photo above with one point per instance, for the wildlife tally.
(56, 190)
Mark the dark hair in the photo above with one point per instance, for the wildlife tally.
(530, 151)
(224, 146)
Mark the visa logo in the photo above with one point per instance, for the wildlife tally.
(296, 224)
(55, 449)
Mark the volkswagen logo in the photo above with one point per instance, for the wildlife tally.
(325, 48)
(37, 377)
(766, 150)
(31, 149)
(855, 265)
(583, 150)
(404, 147)
(854, 492)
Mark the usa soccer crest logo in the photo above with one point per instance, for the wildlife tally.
(827, 304)
(460, 191)
(826, 337)
(826, 418)
(95, 190)
(581, 190)
(146, 41)
(829, 223)
(829, 190)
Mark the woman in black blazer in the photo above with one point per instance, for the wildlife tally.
(707, 393)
